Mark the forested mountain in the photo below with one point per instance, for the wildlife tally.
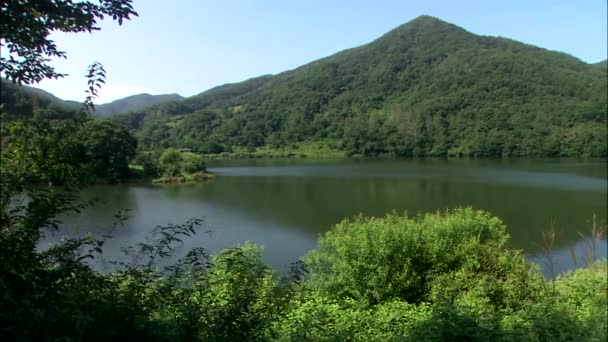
(133, 103)
(20, 102)
(25, 100)
(603, 64)
(425, 88)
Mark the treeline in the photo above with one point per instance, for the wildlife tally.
(425, 88)
(34, 127)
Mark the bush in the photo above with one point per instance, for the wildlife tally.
(397, 257)
(192, 163)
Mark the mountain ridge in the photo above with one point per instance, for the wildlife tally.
(11, 93)
(427, 87)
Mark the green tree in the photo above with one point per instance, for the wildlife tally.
(108, 149)
(170, 161)
(149, 164)
(192, 163)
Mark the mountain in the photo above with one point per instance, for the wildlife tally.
(425, 88)
(602, 64)
(24, 100)
(133, 103)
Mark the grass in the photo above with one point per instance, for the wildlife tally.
(187, 178)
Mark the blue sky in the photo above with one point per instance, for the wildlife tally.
(187, 47)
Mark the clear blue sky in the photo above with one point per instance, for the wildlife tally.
(186, 47)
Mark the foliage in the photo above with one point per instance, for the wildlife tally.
(148, 164)
(180, 164)
(66, 150)
(365, 286)
(109, 148)
(26, 26)
(169, 160)
(380, 259)
(192, 163)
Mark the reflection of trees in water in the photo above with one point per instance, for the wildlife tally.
(99, 217)
(314, 204)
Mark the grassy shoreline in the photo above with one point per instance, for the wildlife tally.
(196, 177)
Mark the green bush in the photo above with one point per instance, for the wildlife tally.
(192, 163)
(397, 257)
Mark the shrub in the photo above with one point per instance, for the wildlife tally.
(192, 163)
(397, 257)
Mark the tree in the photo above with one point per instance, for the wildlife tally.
(108, 148)
(169, 161)
(25, 27)
(192, 163)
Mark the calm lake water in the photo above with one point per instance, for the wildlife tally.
(285, 204)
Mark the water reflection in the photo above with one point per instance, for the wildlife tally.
(285, 205)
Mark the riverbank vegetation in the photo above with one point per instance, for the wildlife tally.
(181, 167)
(435, 277)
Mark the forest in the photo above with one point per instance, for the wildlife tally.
(427, 88)
(443, 276)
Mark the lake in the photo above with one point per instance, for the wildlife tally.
(285, 204)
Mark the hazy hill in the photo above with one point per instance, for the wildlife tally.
(133, 103)
(603, 64)
(24, 100)
(425, 88)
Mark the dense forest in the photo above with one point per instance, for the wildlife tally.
(427, 88)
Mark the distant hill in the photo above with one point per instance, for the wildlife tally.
(425, 88)
(24, 100)
(133, 103)
(603, 64)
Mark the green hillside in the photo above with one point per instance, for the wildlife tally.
(20, 102)
(603, 64)
(425, 88)
(133, 103)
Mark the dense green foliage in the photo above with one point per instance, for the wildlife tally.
(425, 88)
(108, 149)
(180, 166)
(53, 151)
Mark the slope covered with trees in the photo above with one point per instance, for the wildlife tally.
(425, 88)
(133, 103)
(602, 64)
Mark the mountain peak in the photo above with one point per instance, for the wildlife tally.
(426, 19)
(427, 22)
(425, 30)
